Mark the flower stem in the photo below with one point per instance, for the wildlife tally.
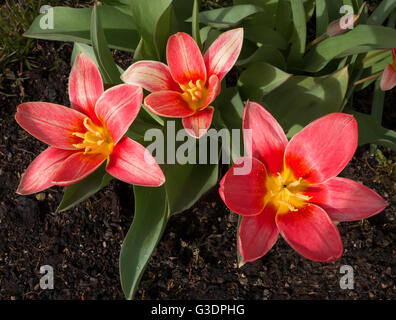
(376, 75)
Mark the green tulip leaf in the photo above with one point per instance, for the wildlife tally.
(153, 21)
(107, 66)
(149, 221)
(302, 99)
(85, 188)
(74, 25)
(259, 80)
(361, 39)
(228, 16)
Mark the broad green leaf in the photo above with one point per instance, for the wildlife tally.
(299, 36)
(322, 17)
(284, 19)
(185, 184)
(231, 107)
(211, 37)
(153, 21)
(107, 66)
(372, 132)
(333, 9)
(228, 16)
(267, 17)
(265, 36)
(181, 12)
(302, 99)
(74, 25)
(144, 121)
(204, 33)
(361, 39)
(149, 221)
(122, 5)
(83, 189)
(264, 54)
(89, 51)
(195, 24)
(259, 80)
(373, 57)
(383, 10)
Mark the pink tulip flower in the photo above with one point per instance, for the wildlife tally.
(81, 138)
(190, 82)
(388, 80)
(292, 188)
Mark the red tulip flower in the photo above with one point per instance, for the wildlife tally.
(388, 80)
(292, 188)
(81, 138)
(190, 82)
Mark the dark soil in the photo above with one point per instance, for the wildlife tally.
(196, 257)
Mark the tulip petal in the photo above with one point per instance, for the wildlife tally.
(118, 107)
(257, 234)
(198, 124)
(214, 87)
(266, 141)
(85, 85)
(168, 104)
(184, 58)
(346, 200)
(243, 186)
(38, 176)
(77, 167)
(150, 75)
(322, 149)
(50, 123)
(223, 53)
(388, 80)
(311, 233)
(133, 164)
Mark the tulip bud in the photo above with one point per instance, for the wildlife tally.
(341, 25)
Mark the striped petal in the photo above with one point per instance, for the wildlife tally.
(133, 164)
(243, 187)
(150, 75)
(198, 124)
(118, 107)
(214, 87)
(323, 148)
(346, 200)
(38, 176)
(184, 58)
(51, 123)
(388, 80)
(257, 234)
(263, 137)
(85, 85)
(168, 104)
(223, 53)
(77, 167)
(311, 233)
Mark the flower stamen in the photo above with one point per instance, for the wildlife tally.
(285, 192)
(194, 94)
(96, 139)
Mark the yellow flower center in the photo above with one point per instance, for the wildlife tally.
(194, 94)
(96, 139)
(285, 192)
